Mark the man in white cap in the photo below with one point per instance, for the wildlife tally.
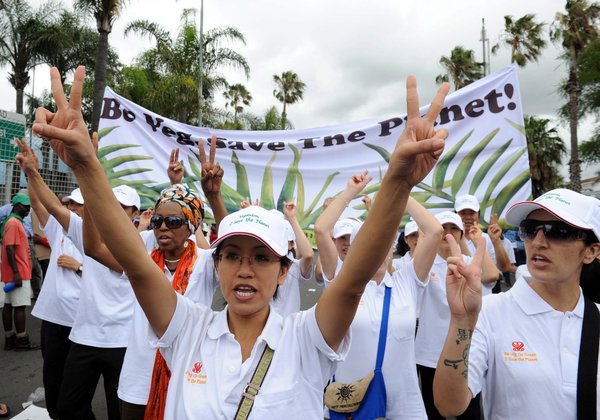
(467, 207)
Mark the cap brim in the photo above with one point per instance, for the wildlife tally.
(252, 235)
(519, 212)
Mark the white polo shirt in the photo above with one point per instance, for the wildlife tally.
(136, 374)
(398, 263)
(434, 318)
(404, 399)
(326, 280)
(59, 297)
(105, 309)
(524, 354)
(208, 376)
(288, 294)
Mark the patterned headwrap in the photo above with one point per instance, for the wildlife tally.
(189, 201)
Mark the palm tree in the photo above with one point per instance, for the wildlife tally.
(461, 67)
(171, 66)
(574, 30)
(271, 120)
(237, 95)
(22, 34)
(524, 38)
(290, 90)
(546, 150)
(105, 12)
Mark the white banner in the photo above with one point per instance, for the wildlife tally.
(485, 155)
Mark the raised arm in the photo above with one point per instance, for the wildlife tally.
(94, 246)
(495, 233)
(490, 271)
(305, 251)
(67, 134)
(416, 152)
(328, 254)
(212, 178)
(43, 201)
(429, 238)
(463, 289)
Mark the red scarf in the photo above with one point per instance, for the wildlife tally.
(155, 409)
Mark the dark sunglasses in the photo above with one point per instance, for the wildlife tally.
(171, 222)
(553, 230)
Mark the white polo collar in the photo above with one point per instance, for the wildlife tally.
(531, 303)
(271, 333)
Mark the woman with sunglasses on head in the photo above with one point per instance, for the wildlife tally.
(219, 360)
(523, 347)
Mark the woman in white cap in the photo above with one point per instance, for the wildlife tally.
(406, 285)
(220, 363)
(332, 234)
(531, 351)
(435, 315)
(410, 239)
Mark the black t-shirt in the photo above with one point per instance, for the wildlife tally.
(590, 280)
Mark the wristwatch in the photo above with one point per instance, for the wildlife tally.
(79, 271)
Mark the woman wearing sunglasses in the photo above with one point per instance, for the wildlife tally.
(216, 358)
(522, 347)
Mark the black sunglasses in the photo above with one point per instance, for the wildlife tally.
(553, 230)
(171, 222)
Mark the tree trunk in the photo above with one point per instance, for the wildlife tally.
(574, 163)
(283, 115)
(20, 94)
(100, 77)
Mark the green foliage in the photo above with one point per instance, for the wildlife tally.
(461, 68)
(524, 37)
(546, 150)
(290, 90)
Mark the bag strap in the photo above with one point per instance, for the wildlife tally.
(587, 370)
(251, 390)
(385, 314)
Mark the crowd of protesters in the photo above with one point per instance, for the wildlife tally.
(427, 335)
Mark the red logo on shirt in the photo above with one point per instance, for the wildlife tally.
(197, 367)
(518, 346)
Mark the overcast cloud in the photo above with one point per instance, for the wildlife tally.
(353, 55)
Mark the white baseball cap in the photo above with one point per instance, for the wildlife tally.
(450, 217)
(466, 201)
(576, 209)
(410, 228)
(259, 223)
(127, 196)
(74, 196)
(344, 227)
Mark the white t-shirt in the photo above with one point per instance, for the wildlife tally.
(524, 355)
(105, 309)
(288, 294)
(486, 288)
(136, 374)
(434, 318)
(399, 368)
(208, 376)
(326, 280)
(59, 297)
(398, 263)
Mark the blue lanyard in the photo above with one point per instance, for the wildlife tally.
(384, 327)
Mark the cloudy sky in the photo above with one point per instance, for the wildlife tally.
(354, 56)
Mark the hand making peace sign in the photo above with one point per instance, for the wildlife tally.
(212, 174)
(175, 169)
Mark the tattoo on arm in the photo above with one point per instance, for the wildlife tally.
(461, 336)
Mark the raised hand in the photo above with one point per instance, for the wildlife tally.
(145, 219)
(65, 130)
(419, 145)
(494, 230)
(289, 210)
(246, 203)
(367, 202)
(175, 169)
(26, 158)
(474, 233)
(212, 174)
(463, 281)
(358, 182)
